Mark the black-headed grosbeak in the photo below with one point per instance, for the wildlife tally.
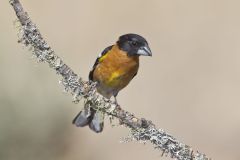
(113, 70)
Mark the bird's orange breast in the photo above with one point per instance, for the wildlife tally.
(115, 69)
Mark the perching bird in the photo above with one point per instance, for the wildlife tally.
(113, 70)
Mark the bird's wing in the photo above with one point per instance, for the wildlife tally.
(97, 61)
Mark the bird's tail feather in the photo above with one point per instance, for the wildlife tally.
(90, 117)
(97, 122)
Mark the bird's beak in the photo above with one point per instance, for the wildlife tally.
(144, 51)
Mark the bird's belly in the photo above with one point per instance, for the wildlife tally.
(111, 81)
(117, 79)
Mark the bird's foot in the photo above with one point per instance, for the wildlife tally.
(116, 103)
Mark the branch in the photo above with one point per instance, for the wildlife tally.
(141, 129)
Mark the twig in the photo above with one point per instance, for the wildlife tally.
(141, 129)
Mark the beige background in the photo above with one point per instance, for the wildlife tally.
(190, 87)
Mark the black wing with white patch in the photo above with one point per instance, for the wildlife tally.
(97, 61)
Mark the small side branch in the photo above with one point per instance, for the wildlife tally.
(141, 129)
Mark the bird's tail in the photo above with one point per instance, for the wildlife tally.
(88, 116)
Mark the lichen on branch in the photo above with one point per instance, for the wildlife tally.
(141, 129)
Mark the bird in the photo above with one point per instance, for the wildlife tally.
(112, 71)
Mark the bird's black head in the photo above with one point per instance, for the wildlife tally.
(134, 45)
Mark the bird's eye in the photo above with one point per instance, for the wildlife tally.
(134, 43)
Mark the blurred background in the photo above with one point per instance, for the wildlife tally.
(190, 87)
